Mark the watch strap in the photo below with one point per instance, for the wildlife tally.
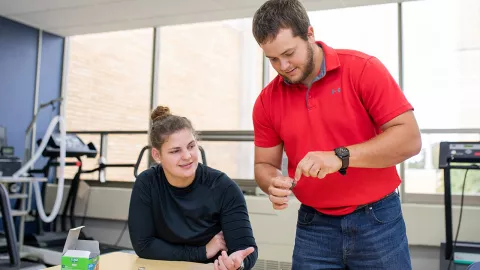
(343, 154)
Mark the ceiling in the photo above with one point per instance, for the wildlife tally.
(76, 17)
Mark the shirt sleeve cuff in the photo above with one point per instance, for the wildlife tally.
(202, 253)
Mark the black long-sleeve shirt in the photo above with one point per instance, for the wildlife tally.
(171, 223)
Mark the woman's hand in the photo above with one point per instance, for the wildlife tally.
(232, 262)
(216, 245)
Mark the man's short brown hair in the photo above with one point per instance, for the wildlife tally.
(274, 15)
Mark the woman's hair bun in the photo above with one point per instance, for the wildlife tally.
(160, 113)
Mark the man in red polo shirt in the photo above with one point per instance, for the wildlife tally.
(344, 124)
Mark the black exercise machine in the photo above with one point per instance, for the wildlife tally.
(75, 148)
(457, 155)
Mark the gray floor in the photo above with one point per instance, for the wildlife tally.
(425, 258)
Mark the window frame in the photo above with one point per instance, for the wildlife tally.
(246, 135)
(439, 198)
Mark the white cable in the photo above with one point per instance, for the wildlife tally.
(36, 156)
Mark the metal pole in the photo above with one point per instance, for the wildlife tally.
(154, 85)
(401, 83)
(266, 71)
(65, 70)
(36, 91)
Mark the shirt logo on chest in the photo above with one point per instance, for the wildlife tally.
(336, 91)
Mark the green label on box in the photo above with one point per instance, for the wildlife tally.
(73, 263)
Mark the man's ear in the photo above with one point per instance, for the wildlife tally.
(311, 34)
(156, 155)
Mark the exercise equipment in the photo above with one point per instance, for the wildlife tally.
(75, 148)
(31, 158)
(457, 155)
(51, 244)
(3, 136)
(9, 164)
(10, 235)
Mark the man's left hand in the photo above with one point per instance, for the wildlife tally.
(232, 262)
(318, 164)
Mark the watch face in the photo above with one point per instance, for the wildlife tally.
(342, 151)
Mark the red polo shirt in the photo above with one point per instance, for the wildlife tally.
(346, 106)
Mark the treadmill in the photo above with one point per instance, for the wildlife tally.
(455, 255)
(48, 246)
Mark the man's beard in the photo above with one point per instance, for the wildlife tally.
(308, 68)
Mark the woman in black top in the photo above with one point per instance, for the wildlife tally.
(183, 210)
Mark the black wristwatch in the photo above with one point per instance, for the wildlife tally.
(343, 154)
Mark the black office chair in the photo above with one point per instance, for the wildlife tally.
(10, 234)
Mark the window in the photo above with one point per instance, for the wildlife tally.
(109, 84)
(440, 52)
(423, 175)
(441, 80)
(212, 74)
(229, 157)
(370, 29)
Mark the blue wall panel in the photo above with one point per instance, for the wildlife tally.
(50, 78)
(18, 68)
(18, 60)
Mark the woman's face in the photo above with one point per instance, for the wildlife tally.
(178, 155)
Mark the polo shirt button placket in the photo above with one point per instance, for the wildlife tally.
(310, 102)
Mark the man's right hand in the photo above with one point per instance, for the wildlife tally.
(216, 245)
(279, 191)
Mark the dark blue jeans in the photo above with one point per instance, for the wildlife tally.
(372, 237)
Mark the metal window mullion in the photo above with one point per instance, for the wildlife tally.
(65, 70)
(401, 82)
(154, 80)
(265, 71)
(36, 92)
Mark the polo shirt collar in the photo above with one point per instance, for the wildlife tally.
(330, 56)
